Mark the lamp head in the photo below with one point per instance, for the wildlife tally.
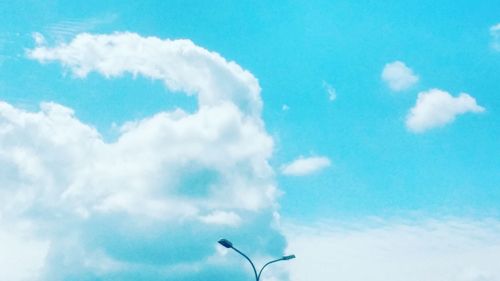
(226, 243)
(289, 257)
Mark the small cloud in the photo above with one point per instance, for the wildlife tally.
(222, 218)
(285, 107)
(39, 39)
(330, 90)
(398, 76)
(495, 37)
(305, 166)
(436, 108)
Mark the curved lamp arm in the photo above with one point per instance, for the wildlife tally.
(249, 260)
(285, 258)
(260, 272)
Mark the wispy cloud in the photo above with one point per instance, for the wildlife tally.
(7, 42)
(385, 250)
(495, 37)
(436, 108)
(330, 91)
(398, 76)
(67, 29)
(305, 166)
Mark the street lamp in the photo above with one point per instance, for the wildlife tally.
(226, 243)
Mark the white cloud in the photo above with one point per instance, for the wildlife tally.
(135, 208)
(305, 166)
(285, 107)
(436, 108)
(495, 37)
(180, 64)
(398, 76)
(223, 218)
(431, 250)
(330, 90)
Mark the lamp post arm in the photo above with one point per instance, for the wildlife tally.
(249, 260)
(273, 261)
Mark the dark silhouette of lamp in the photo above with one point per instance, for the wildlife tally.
(227, 244)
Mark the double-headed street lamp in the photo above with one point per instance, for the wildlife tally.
(226, 243)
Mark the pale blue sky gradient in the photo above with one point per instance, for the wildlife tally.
(378, 168)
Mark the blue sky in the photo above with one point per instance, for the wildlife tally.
(272, 124)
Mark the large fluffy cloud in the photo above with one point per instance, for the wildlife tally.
(151, 204)
(436, 108)
(385, 250)
(398, 76)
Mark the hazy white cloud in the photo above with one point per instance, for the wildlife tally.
(432, 250)
(285, 107)
(330, 90)
(134, 208)
(495, 37)
(398, 76)
(22, 255)
(305, 166)
(436, 108)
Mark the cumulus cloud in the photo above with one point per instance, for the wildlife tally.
(305, 166)
(433, 250)
(398, 76)
(436, 108)
(495, 37)
(135, 208)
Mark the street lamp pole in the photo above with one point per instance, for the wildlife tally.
(226, 243)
